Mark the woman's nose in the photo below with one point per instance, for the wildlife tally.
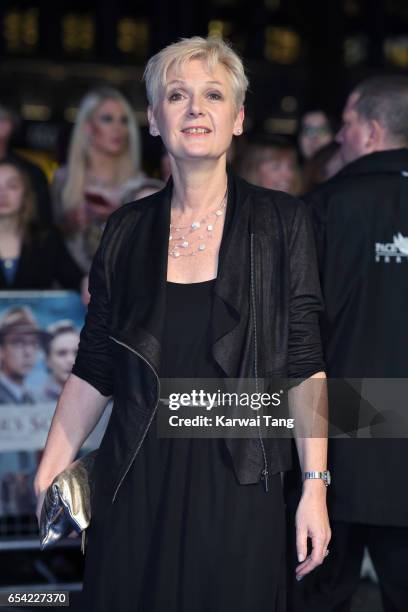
(195, 108)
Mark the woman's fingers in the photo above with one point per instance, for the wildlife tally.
(316, 557)
(311, 521)
(40, 500)
(301, 543)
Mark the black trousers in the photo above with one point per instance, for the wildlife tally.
(330, 587)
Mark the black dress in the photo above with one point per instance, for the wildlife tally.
(185, 536)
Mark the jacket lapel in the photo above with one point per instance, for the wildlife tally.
(231, 301)
(141, 275)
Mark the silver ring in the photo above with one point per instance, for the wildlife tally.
(326, 553)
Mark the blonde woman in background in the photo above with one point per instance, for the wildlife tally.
(103, 171)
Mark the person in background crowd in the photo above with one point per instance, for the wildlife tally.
(271, 162)
(361, 225)
(102, 173)
(60, 346)
(20, 338)
(31, 256)
(315, 132)
(9, 123)
(322, 166)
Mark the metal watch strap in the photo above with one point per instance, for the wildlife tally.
(325, 476)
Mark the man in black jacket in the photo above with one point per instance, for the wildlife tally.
(361, 225)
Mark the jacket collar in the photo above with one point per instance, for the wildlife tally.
(142, 275)
(391, 161)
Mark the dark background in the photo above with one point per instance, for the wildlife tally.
(298, 54)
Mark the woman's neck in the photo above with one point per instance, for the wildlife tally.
(105, 168)
(10, 238)
(198, 186)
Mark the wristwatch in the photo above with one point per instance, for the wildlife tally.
(325, 476)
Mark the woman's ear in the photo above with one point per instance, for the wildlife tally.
(153, 129)
(239, 121)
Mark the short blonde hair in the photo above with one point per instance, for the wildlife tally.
(212, 50)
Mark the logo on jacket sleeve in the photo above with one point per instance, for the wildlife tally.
(392, 251)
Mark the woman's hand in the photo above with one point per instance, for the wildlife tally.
(75, 220)
(100, 203)
(312, 521)
(40, 501)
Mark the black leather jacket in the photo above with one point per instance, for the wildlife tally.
(266, 307)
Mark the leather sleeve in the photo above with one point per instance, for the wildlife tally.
(305, 353)
(94, 359)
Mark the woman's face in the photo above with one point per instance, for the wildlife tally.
(196, 116)
(62, 353)
(109, 129)
(315, 133)
(11, 191)
(279, 172)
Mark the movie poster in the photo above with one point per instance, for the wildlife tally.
(39, 335)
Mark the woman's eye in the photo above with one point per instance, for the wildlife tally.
(214, 95)
(173, 97)
(106, 118)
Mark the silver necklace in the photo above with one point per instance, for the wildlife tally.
(187, 241)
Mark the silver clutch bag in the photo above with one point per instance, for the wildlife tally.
(67, 505)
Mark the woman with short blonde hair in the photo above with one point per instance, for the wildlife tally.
(212, 51)
(205, 279)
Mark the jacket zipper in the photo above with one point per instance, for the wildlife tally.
(265, 472)
(151, 418)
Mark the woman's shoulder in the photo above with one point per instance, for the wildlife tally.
(42, 244)
(40, 236)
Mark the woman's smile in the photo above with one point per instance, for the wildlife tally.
(197, 130)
